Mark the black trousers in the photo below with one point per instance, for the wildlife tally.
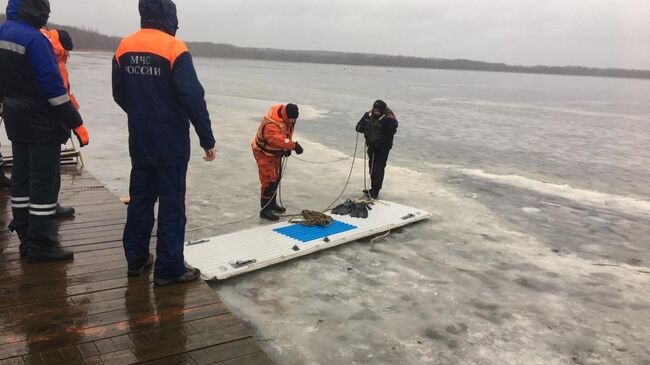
(166, 184)
(377, 159)
(35, 184)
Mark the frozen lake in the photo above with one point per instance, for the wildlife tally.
(539, 185)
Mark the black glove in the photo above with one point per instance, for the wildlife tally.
(362, 125)
(299, 150)
(287, 153)
(343, 209)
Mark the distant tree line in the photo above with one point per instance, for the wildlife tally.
(85, 39)
(88, 39)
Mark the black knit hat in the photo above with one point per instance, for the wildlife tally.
(380, 105)
(66, 40)
(292, 111)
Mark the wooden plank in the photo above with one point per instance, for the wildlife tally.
(88, 311)
(42, 341)
(83, 218)
(124, 350)
(78, 199)
(170, 344)
(78, 238)
(64, 310)
(11, 252)
(212, 354)
(92, 298)
(258, 358)
(58, 323)
(26, 287)
(87, 258)
(42, 270)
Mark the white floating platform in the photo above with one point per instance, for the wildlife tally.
(236, 253)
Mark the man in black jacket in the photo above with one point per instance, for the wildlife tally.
(38, 117)
(379, 125)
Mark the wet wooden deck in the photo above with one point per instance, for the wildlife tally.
(89, 312)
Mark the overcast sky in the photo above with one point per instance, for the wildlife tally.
(600, 33)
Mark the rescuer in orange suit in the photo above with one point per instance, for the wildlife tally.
(62, 45)
(273, 141)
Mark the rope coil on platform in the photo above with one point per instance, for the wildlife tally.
(85, 186)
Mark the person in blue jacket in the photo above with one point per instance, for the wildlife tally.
(38, 118)
(155, 83)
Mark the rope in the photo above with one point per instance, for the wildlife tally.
(89, 186)
(312, 218)
(345, 187)
(365, 174)
(347, 182)
(283, 167)
(380, 237)
(283, 163)
(320, 162)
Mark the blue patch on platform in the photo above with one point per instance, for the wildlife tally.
(306, 234)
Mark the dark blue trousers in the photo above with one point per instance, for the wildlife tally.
(35, 183)
(167, 185)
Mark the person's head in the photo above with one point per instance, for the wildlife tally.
(159, 14)
(66, 41)
(292, 112)
(34, 12)
(379, 108)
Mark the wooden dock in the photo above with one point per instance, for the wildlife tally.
(88, 311)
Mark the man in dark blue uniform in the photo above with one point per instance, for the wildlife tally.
(38, 117)
(154, 81)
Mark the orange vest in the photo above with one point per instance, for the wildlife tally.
(260, 142)
(62, 59)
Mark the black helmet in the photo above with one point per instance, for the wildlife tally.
(380, 105)
(292, 111)
(66, 40)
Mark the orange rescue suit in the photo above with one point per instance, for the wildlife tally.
(62, 59)
(272, 141)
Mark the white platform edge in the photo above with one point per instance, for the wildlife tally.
(335, 240)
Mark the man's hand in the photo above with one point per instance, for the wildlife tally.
(210, 154)
(82, 135)
(299, 150)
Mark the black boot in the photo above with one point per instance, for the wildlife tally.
(372, 193)
(190, 274)
(5, 182)
(137, 271)
(22, 236)
(47, 251)
(275, 207)
(267, 211)
(64, 212)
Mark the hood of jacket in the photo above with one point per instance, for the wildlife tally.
(34, 12)
(159, 14)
